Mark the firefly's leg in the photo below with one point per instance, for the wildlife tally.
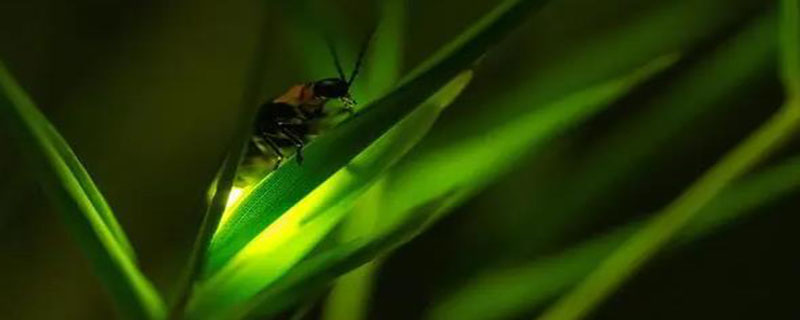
(275, 148)
(298, 142)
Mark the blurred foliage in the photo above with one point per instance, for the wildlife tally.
(574, 136)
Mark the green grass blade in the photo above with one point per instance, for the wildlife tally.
(599, 58)
(386, 56)
(313, 274)
(523, 288)
(223, 182)
(291, 237)
(484, 157)
(654, 235)
(526, 287)
(350, 296)
(790, 46)
(90, 189)
(646, 242)
(82, 205)
(638, 144)
(290, 183)
(408, 215)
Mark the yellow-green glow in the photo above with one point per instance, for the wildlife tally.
(275, 249)
(234, 198)
(287, 240)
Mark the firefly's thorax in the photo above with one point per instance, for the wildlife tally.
(331, 88)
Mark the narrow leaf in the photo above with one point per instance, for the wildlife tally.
(220, 188)
(313, 274)
(482, 158)
(412, 206)
(517, 290)
(645, 139)
(289, 184)
(349, 299)
(82, 205)
(790, 46)
(655, 234)
(292, 236)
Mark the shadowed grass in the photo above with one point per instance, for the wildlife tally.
(626, 150)
(350, 296)
(82, 205)
(484, 157)
(655, 234)
(523, 288)
(223, 182)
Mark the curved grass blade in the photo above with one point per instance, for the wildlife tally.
(482, 158)
(526, 287)
(645, 243)
(295, 233)
(223, 182)
(403, 215)
(313, 274)
(639, 143)
(91, 190)
(789, 36)
(652, 236)
(82, 205)
(350, 296)
(289, 184)
(515, 291)
(600, 58)
(386, 56)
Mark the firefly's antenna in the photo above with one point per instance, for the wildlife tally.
(335, 58)
(361, 54)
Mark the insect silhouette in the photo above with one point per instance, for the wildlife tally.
(292, 119)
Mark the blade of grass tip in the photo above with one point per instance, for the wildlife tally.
(295, 233)
(662, 228)
(290, 183)
(224, 180)
(316, 272)
(349, 298)
(71, 188)
(512, 292)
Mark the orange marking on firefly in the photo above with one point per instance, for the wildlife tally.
(298, 95)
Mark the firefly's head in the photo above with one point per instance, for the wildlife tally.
(339, 88)
(334, 88)
(331, 88)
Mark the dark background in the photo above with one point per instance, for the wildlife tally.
(146, 91)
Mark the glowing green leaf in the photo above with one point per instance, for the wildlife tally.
(273, 252)
(285, 187)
